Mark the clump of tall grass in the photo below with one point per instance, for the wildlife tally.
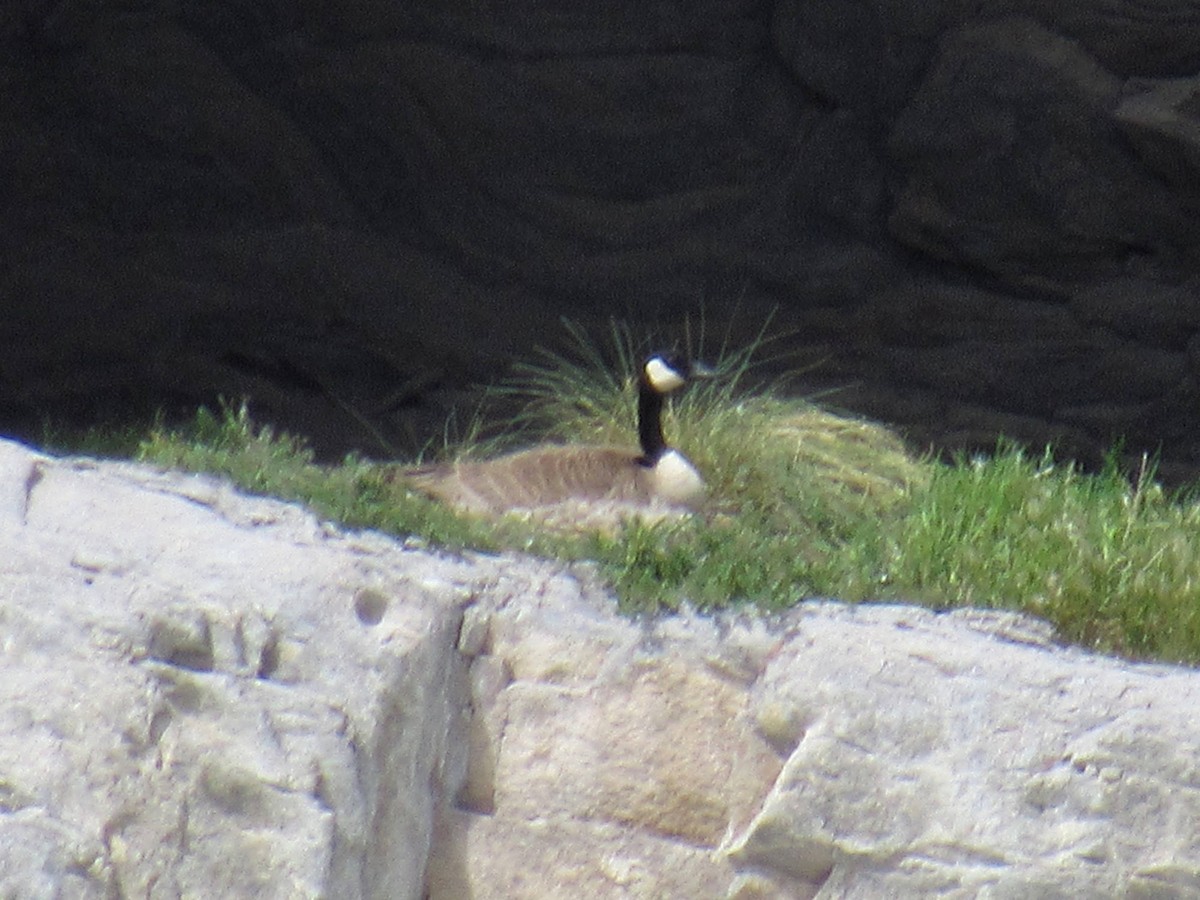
(804, 503)
(790, 485)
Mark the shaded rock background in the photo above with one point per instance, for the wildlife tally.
(208, 694)
(976, 222)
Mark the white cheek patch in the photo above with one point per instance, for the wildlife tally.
(662, 377)
(675, 479)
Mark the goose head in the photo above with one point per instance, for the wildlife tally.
(661, 374)
(664, 373)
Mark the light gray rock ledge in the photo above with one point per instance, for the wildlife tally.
(204, 694)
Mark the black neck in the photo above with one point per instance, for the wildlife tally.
(650, 404)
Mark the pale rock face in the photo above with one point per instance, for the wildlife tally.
(965, 753)
(206, 694)
(197, 700)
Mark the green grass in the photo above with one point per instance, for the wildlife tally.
(1111, 561)
(804, 503)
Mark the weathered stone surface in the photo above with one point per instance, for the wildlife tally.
(923, 316)
(991, 762)
(206, 694)
(1162, 119)
(1157, 314)
(213, 695)
(1158, 38)
(624, 754)
(349, 213)
(896, 38)
(1031, 108)
(1042, 376)
(905, 753)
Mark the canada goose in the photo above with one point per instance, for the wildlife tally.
(583, 487)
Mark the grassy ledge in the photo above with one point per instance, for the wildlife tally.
(804, 504)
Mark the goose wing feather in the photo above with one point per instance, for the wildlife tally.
(544, 476)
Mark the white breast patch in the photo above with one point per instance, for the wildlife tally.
(675, 479)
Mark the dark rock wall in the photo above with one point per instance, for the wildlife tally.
(977, 221)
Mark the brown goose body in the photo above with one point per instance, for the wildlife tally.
(546, 476)
(580, 486)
